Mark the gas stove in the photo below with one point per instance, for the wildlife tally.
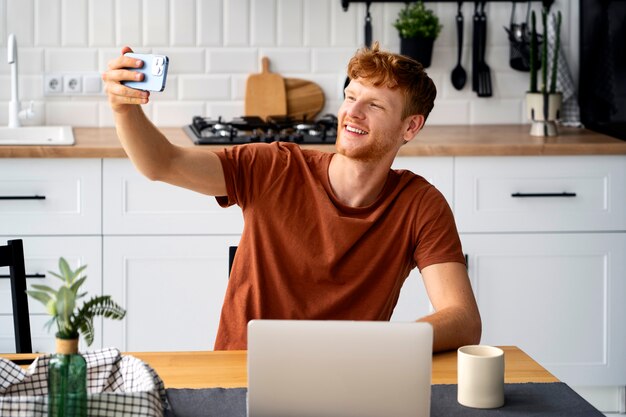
(248, 129)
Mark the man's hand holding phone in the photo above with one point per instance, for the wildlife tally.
(130, 76)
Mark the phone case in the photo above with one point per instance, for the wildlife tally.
(154, 70)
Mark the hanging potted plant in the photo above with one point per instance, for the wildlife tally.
(418, 28)
(67, 373)
(543, 103)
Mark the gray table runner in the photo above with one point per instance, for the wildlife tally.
(545, 400)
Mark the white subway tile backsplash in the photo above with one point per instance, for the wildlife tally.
(263, 22)
(214, 45)
(205, 87)
(31, 61)
(74, 113)
(227, 110)
(155, 22)
(449, 112)
(316, 25)
(71, 59)
(19, 20)
(74, 23)
(238, 87)
(283, 60)
(47, 22)
(237, 61)
(343, 27)
(290, 22)
(101, 22)
(495, 111)
(184, 60)
(236, 22)
(209, 22)
(331, 60)
(175, 113)
(128, 23)
(3, 14)
(183, 22)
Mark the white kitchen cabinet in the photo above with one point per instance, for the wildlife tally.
(50, 196)
(539, 194)
(172, 288)
(135, 205)
(559, 297)
(41, 254)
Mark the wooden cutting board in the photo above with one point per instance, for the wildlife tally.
(265, 93)
(305, 99)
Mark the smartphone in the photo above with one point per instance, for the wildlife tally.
(154, 72)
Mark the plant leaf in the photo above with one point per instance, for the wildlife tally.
(56, 275)
(42, 297)
(76, 284)
(65, 270)
(65, 307)
(44, 288)
(78, 271)
(86, 329)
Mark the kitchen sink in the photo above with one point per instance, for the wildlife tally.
(37, 135)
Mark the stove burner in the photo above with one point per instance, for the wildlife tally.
(247, 129)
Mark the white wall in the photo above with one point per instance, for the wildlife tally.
(214, 44)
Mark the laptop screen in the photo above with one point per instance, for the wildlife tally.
(299, 368)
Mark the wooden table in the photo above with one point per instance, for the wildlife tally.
(228, 369)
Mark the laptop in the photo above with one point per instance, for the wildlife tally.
(300, 368)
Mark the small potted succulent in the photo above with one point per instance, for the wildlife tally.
(543, 103)
(67, 373)
(418, 28)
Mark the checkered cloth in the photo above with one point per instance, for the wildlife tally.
(116, 386)
(570, 111)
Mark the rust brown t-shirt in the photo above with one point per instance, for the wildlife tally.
(305, 255)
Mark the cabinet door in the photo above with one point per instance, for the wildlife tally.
(41, 254)
(172, 288)
(135, 205)
(559, 297)
(50, 196)
(540, 194)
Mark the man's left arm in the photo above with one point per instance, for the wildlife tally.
(456, 320)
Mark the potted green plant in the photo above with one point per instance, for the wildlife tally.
(67, 372)
(418, 28)
(543, 103)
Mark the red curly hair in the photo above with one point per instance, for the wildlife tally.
(380, 68)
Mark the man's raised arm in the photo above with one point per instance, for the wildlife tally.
(149, 150)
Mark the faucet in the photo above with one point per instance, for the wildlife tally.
(15, 108)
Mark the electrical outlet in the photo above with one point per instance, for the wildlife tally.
(53, 84)
(72, 84)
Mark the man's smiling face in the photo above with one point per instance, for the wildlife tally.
(370, 127)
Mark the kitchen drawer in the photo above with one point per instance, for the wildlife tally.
(136, 205)
(578, 193)
(50, 196)
(41, 254)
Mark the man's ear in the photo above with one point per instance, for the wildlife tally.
(414, 125)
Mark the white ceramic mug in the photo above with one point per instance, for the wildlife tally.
(480, 371)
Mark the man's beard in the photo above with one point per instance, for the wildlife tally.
(375, 150)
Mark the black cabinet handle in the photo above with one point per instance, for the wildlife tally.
(563, 194)
(27, 276)
(22, 197)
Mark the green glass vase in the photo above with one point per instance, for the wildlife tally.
(67, 381)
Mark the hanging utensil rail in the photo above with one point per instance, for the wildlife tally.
(346, 3)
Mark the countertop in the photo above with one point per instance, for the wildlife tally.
(464, 140)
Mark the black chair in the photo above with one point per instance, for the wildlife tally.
(12, 255)
(231, 257)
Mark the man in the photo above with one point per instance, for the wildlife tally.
(326, 236)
